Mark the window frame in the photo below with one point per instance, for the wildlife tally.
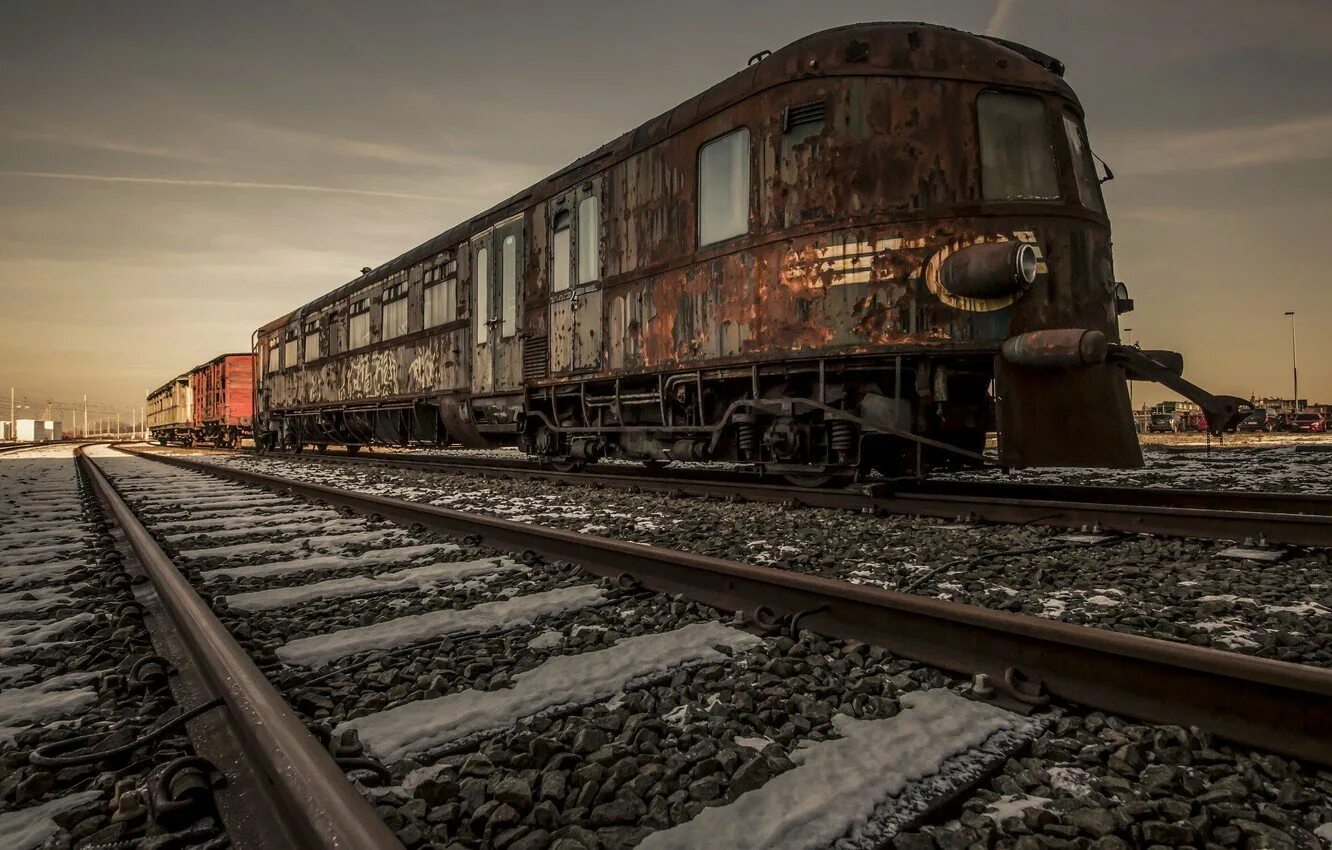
(357, 308)
(441, 278)
(274, 362)
(482, 275)
(588, 235)
(393, 294)
(747, 173)
(561, 223)
(311, 329)
(1083, 169)
(508, 285)
(1059, 196)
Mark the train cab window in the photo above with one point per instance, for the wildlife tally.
(589, 242)
(358, 326)
(482, 294)
(395, 310)
(441, 294)
(723, 187)
(1017, 156)
(273, 354)
(291, 348)
(508, 286)
(311, 341)
(560, 256)
(1084, 170)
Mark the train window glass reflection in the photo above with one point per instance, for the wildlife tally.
(1017, 159)
(311, 341)
(723, 187)
(290, 349)
(509, 286)
(589, 231)
(559, 254)
(358, 331)
(441, 294)
(482, 295)
(395, 311)
(1084, 170)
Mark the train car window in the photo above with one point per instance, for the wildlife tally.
(589, 242)
(273, 364)
(1084, 170)
(509, 286)
(290, 349)
(311, 341)
(395, 311)
(358, 329)
(559, 253)
(723, 187)
(441, 294)
(482, 295)
(1017, 155)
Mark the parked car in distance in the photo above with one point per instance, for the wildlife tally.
(1161, 423)
(1308, 422)
(1260, 419)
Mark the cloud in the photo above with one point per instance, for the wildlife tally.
(219, 184)
(115, 146)
(1002, 9)
(1230, 147)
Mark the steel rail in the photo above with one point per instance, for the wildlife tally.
(1272, 705)
(1218, 515)
(311, 801)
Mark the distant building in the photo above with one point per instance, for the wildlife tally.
(39, 430)
(6, 431)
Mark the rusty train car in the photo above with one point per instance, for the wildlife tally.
(862, 252)
(211, 403)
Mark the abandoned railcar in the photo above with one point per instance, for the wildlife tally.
(863, 251)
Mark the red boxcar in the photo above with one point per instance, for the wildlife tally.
(224, 399)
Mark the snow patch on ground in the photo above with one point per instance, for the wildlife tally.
(567, 680)
(417, 578)
(837, 784)
(28, 828)
(389, 634)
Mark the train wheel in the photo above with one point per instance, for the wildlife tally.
(815, 481)
(322, 448)
(567, 465)
(353, 449)
(655, 466)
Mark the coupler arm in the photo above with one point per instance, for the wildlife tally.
(1223, 412)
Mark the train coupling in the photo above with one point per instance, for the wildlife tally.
(1066, 348)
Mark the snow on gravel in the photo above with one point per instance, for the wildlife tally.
(838, 784)
(318, 649)
(566, 680)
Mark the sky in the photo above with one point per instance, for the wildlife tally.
(173, 175)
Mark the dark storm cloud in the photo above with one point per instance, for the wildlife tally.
(173, 175)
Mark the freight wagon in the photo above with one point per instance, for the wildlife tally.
(170, 412)
(223, 399)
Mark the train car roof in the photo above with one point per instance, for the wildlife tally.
(912, 49)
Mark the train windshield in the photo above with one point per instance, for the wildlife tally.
(1084, 170)
(1017, 153)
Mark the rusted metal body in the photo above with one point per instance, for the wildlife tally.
(223, 399)
(850, 315)
(1270, 705)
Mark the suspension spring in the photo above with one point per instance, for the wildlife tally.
(841, 436)
(746, 435)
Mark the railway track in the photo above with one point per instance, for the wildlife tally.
(482, 668)
(1264, 518)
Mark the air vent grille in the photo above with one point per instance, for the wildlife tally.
(808, 113)
(536, 358)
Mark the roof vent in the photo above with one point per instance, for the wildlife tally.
(809, 113)
(366, 270)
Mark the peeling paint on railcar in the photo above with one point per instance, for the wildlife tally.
(424, 366)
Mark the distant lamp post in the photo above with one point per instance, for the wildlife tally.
(1128, 340)
(1294, 368)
